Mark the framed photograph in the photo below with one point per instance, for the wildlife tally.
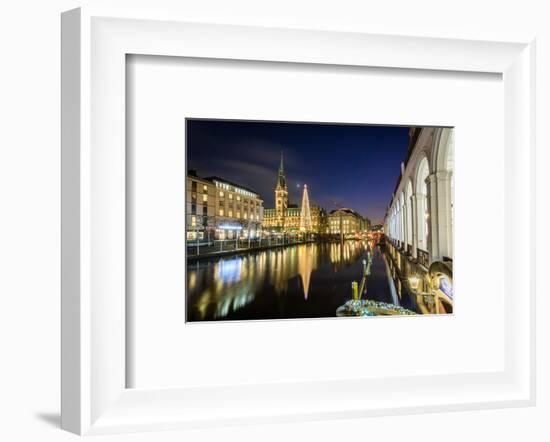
(257, 230)
(262, 244)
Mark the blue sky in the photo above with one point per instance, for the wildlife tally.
(353, 166)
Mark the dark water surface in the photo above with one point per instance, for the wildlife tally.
(300, 281)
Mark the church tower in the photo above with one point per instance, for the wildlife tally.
(281, 196)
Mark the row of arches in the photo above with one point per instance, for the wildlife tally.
(420, 216)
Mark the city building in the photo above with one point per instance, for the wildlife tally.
(419, 218)
(290, 218)
(219, 209)
(377, 227)
(347, 222)
(368, 224)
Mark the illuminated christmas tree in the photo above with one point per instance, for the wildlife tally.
(305, 215)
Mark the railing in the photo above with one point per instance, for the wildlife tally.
(405, 248)
(241, 244)
(423, 257)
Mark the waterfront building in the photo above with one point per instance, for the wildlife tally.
(289, 218)
(292, 219)
(219, 209)
(346, 221)
(419, 218)
(377, 228)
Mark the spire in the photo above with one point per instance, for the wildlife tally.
(281, 180)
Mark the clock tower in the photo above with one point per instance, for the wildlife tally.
(281, 196)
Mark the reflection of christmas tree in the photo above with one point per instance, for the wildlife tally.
(307, 258)
(305, 215)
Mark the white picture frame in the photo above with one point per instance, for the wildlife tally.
(95, 399)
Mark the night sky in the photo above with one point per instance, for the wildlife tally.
(354, 166)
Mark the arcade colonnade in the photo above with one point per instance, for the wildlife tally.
(419, 219)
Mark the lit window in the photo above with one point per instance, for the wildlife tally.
(221, 194)
(245, 215)
(193, 221)
(205, 198)
(230, 196)
(205, 188)
(238, 198)
(221, 212)
(230, 214)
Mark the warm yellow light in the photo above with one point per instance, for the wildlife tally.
(414, 281)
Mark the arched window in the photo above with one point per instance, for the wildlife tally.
(422, 209)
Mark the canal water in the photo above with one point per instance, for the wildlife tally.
(300, 281)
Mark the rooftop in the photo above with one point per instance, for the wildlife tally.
(347, 210)
(223, 180)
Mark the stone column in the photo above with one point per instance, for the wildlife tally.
(433, 231)
(444, 209)
(414, 207)
(409, 221)
(405, 223)
(398, 221)
(401, 237)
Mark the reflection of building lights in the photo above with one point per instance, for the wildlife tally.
(192, 280)
(235, 281)
(230, 270)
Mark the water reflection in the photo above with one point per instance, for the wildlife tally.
(306, 257)
(306, 280)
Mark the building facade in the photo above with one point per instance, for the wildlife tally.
(419, 219)
(219, 209)
(347, 222)
(289, 218)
